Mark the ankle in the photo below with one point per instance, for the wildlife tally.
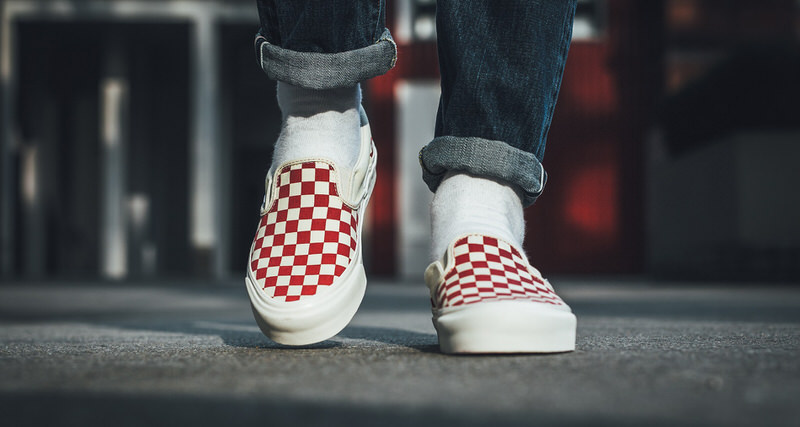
(319, 124)
(296, 101)
(467, 204)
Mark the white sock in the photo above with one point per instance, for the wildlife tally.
(465, 204)
(319, 123)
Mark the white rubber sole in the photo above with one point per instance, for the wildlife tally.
(309, 320)
(505, 327)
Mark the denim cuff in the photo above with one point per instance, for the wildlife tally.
(486, 158)
(313, 70)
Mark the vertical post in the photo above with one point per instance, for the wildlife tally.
(114, 135)
(37, 164)
(416, 103)
(205, 161)
(32, 225)
(7, 88)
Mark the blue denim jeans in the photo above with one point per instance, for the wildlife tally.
(500, 63)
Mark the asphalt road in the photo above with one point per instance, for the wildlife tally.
(179, 353)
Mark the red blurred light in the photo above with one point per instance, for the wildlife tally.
(591, 201)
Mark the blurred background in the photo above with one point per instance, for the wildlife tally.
(135, 136)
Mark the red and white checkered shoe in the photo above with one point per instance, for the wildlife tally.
(305, 275)
(487, 298)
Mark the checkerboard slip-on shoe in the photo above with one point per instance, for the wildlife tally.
(305, 276)
(487, 298)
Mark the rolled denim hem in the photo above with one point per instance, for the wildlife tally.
(315, 70)
(486, 158)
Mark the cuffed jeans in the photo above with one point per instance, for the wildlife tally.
(500, 62)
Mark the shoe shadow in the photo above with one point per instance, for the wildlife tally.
(247, 335)
(419, 341)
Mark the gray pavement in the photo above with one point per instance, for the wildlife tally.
(176, 353)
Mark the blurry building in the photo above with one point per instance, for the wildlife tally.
(722, 201)
(136, 135)
(130, 130)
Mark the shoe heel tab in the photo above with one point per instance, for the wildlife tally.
(363, 116)
(367, 157)
(268, 181)
(433, 276)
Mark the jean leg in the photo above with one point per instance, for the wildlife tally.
(324, 44)
(501, 65)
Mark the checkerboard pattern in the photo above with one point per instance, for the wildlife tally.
(308, 236)
(487, 268)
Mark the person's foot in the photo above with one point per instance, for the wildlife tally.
(305, 276)
(487, 298)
